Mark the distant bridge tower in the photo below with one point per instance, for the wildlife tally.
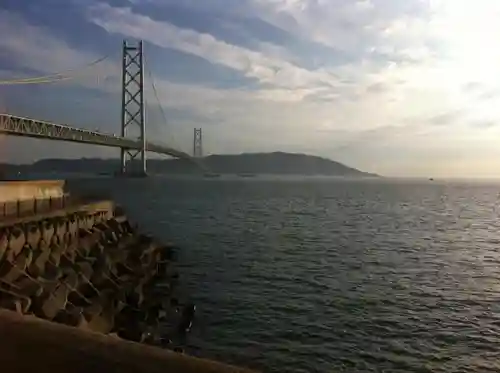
(197, 143)
(133, 106)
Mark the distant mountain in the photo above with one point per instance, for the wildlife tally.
(278, 163)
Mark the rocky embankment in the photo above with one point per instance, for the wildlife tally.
(91, 270)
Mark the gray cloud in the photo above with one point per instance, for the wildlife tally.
(446, 118)
(485, 124)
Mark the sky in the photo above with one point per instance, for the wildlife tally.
(397, 87)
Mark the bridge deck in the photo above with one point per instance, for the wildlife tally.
(25, 127)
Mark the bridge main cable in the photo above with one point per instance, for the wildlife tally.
(52, 78)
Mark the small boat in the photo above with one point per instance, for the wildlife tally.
(211, 175)
(246, 175)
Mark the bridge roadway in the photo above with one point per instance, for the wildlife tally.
(19, 126)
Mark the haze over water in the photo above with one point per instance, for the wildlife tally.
(323, 275)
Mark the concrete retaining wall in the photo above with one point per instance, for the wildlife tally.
(29, 190)
(24, 198)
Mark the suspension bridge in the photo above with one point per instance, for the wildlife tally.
(132, 115)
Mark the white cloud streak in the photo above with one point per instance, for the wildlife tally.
(252, 64)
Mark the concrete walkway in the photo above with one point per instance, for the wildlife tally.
(28, 344)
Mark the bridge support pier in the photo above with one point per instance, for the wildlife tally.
(133, 162)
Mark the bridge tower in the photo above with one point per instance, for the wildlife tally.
(197, 143)
(133, 113)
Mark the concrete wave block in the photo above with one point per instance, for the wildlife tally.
(123, 269)
(102, 322)
(100, 226)
(87, 242)
(70, 242)
(94, 309)
(11, 271)
(71, 317)
(117, 255)
(55, 253)
(43, 245)
(112, 237)
(40, 258)
(83, 232)
(112, 297)
(33, 235)
(48, 230)
(48, 287)
(127, 227)
(85, 270)
(73, 244)
(17, 240)
(136, 296)
(115, 225)
(14, 301)
(68, 258)
(55, 241)
(4, 243)
(77, 298)
(61, 229)
(89, 221)
(80, 221)
(99, 217)
(66, 239)
(126, 243)
(73, 226)
(52, 272)
(73, 282)
(71, 279)
(29, 287)
(101, 276)
(97, 250)
(55, 302)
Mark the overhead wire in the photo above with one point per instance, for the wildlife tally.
(52, 78)
(155, 92)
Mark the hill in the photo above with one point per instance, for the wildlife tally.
(278, 163)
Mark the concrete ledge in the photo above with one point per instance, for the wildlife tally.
(29, 190)
(23, 198)
(28, 344)
(89, 208)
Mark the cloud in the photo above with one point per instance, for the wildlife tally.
(485, 123)
(446, 118)
(393, 83)
(252, 64)
(360, 27)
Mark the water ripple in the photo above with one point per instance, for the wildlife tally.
(322, 276)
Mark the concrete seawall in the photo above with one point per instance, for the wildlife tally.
(29, 344)
(40, 189)
(83, 266)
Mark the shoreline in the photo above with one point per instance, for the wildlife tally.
(83, 265)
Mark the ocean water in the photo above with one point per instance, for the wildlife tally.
(325, 275)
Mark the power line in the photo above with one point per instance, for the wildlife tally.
(52, 78)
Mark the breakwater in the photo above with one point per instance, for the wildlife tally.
(82, 264)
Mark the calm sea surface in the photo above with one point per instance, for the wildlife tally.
(323, 275)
